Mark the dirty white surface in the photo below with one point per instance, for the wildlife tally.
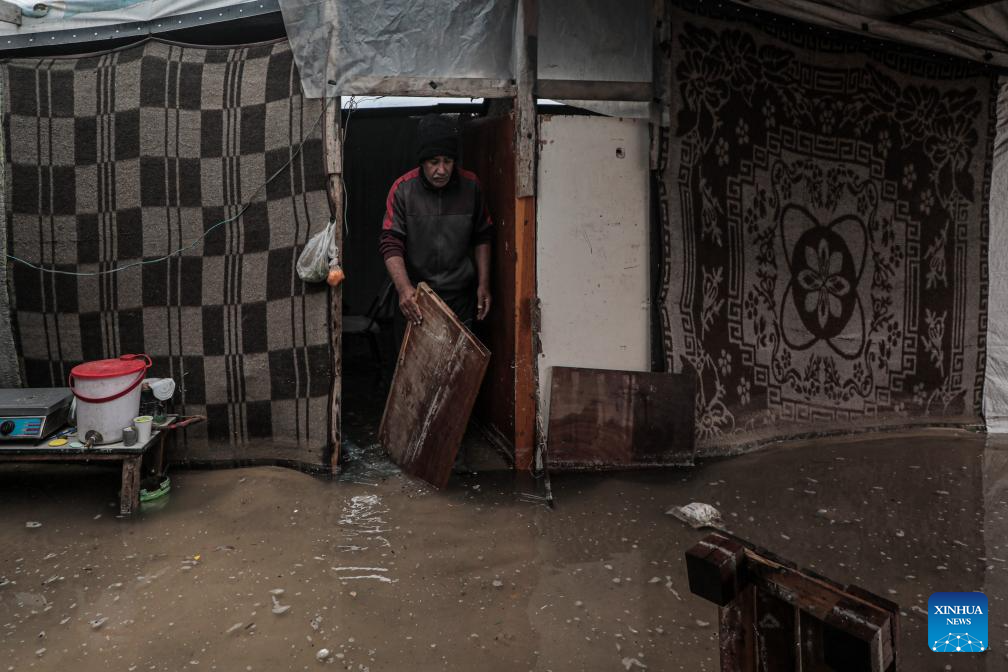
(592, 252)
(996, 381)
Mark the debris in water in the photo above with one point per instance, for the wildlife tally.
(234, 628)
(655, 579)
(277, 591)
(277, 607)
(316, 623)
(31, 525)
(31, 600)
(633, 662)
(697, 515)
(376, 577)
(98, 622)
(702, 624)
(322, 654)
(40, 652)
(497, 583)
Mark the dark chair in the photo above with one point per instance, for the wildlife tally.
(367, 324)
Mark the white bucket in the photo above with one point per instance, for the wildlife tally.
(108, 395)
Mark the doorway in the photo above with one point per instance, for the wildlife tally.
(378, 148)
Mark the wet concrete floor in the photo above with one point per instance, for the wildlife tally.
(390, 575)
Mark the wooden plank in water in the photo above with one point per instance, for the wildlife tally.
(800, 620)
(601, 418)
(440, 368)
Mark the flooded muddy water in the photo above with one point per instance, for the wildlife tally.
(263, 568)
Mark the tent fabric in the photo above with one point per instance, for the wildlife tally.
(10, 368)
(132, 154)
(996, 390)
(824, 203)
(347, 41)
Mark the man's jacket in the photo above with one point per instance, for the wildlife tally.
(436, 229)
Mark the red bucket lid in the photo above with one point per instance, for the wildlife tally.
(110, 368)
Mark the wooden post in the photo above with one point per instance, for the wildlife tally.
(129, 496)
(525, 108)
(736, 632)
(526, 408)
(333, 138)
(661, 78)
(526, 142)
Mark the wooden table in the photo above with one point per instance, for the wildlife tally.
(130, 456)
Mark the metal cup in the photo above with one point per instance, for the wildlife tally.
(129, 436)
(142, 424)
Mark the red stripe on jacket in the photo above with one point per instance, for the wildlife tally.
(411, 175)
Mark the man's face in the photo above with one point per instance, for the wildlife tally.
(438, 170)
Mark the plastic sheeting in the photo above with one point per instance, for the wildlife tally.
(348, 40)
(54, 15)
(977, 34)
(996, 381)
(353, 42)
(595, 40)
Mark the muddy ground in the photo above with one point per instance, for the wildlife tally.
(390, 575)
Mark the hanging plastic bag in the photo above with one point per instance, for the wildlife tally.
(319, 256)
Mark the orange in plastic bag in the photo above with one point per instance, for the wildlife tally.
(335, 276)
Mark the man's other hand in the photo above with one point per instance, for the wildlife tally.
(483, 301)
(408, 305)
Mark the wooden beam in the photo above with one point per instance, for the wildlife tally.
(526, 408)
(10, 13)
(661, 67)
(575, 89)
(526, 133)
(845, 627)
(332, 135)
(939, 10)
(736, 632)
(443, 87)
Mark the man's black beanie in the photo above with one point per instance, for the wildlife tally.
(436, 136)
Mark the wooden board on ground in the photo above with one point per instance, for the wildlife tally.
(606, 419)
(440, 368)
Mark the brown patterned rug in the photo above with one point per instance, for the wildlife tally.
(126, 156)
(824, 214)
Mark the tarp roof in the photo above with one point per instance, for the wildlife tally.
(975, 29)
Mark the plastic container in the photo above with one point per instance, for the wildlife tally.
(108, 394)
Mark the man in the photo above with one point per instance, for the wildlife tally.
(437, 228)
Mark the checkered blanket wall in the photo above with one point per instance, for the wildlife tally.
(130, 155)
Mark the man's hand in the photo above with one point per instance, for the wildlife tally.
(482, 302)
(408, 305)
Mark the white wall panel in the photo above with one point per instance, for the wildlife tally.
(592, 250)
